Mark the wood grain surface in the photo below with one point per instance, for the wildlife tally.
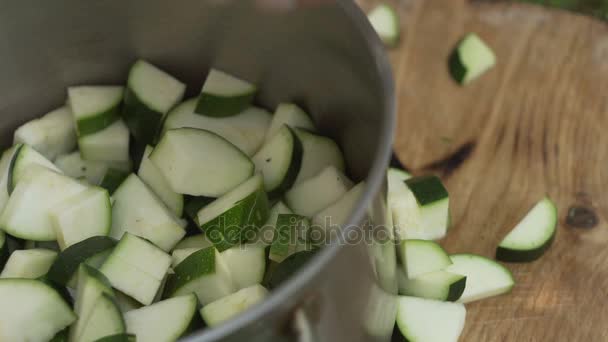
(535, 124)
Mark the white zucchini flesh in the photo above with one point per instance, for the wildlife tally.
(438, 285)
(184, 154)
(28, 263)
(291, 115)
(31, 311)
(265, 235)
(27, 212)
(337, 214)
(74, 166)
(94, 107)
(155, 88)
(149, 174)
(319, 152)
(86, 214)
(224, 95)
(138, 211)
(24, 157)
(137, 268)
(485, 277)
(110, 144)
(163, 321)
(246, 130)
(51, 135)
(385, 20)
(199, 241)
(318, 192)
(105, 319)
(422, 256)
(230, 306)
(471, 59)
(247, 264)
(430, 320)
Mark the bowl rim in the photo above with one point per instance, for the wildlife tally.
(374, 181)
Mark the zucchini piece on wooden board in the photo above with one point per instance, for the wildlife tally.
(279, 160)
(73, 165)
(149, 174)
(51, 135)
(224, 95)
(184, 154)
(136, 268)
(110, 144)
(31, 311)
(92, 285)
(336, 215)
(68, 261)
(203, 273)
(27, 212)
(23, 157)
(532, 236)
(291, 115)
(105, 319)
(246, 130)
(291, 236)
(485, 277)
(138, 211)
(94, 107)
(163, 321)
(471, 58)
(385, 21)
(28, 263)
(81, 216)
(438, 285)
(236, 216)
(319, 153)
(423, 211)
(150, 94)
(430, 320)
(232, 305)
(318, 192)
(422, 256)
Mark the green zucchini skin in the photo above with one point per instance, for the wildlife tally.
(10, 186)
(515, 255)
(221, 106)
(92, 125)
(124, 337)
(190, 269)
(427, 189)
(294, 167)
(68, 261)
(144, 122)
(456, 68)
(112, 179)
(456, 290)
(289, 267)
(194, 204)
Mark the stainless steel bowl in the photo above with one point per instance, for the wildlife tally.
(327, 58)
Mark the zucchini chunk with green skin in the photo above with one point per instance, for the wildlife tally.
(149, 174)
(105, 319)
(430, 320)
(336, 215)
(166, 320)
(318, 192)
(289, 267)
(92, 285)
(422, 256)
(28, 263)
(279, 161)
(224, 95)
(184, 154)
(67, 262)
(26, 214)
(194, 204)
(118, 338)
(4, 250)
(138, 211)
(246, 130)
(319, 153)
(232, 305)
(290, 236)
(236, 216)
(421, 212)
(31, 311)
(385, 21)
(73, 165)
(532, 236)
(137, 268)
(150, 94)
(471, 58)
(438, 285)
(84, 215)
(110, 144)
(485, 277)
(203, 273)
(199, 241)
(265, 234)
(5, 164)
(51, 135)
(291, 115)
(179, 255)
(94, 107)
(23, 157)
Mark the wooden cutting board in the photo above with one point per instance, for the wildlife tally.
(536, 124)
